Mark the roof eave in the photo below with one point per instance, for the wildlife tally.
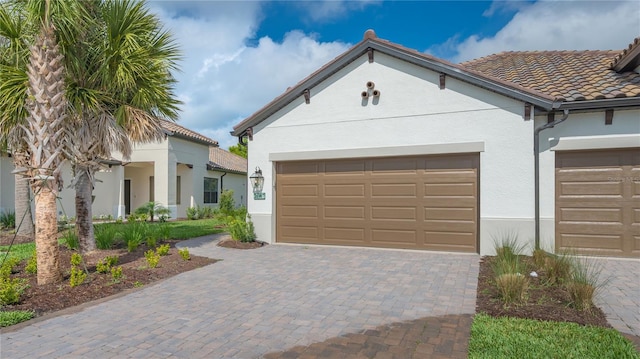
(192, 139)
(614, 103)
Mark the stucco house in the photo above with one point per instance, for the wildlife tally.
(185, 169)
(389, 147)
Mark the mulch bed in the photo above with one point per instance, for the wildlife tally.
(53, 297)
(544, 302)
(231, 243)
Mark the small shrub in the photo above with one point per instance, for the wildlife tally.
(184, 253)
(240, 229)
(116, 273)
(105, 265)
(151, 210)
(151, 242)
(70, 240)
(558, 268)
(77, 277)
(539, 258)
(105, 236)
(8, 220)
(163, 231)
(163, 250)
(152, 258)
(7, 267)
(512, 287)
(137, 284)
(193, 213)
(133, 234)
(205, 212)
(585, 280)
(227, 203)
(32, 264)
(14, 317)
(11, 289)
(76, 259)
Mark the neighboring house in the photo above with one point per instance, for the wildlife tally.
(185, 169)
(389, 147)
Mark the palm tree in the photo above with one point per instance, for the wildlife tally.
(40, 89)
(14, 54)
(121, 85)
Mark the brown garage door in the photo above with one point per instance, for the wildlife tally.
(598, 202)
(426, 202)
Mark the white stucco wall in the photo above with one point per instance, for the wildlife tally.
(581, 131)
(412, 112)
(237, 183)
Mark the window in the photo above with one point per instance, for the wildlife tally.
(210, 190)
(178, 194)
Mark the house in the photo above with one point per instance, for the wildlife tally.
(389, 147)
(185, 169)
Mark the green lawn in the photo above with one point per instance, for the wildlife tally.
(20, 251)
(181, 229)
(524, 338)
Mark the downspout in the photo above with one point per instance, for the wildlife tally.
(536, 154)
(222, 182)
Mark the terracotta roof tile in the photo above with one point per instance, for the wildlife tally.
(625, 52)
(566, 75)
(220, 159)
(174, 128)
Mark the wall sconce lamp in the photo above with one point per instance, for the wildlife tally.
(257, 182)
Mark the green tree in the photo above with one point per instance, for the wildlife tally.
(239, 150)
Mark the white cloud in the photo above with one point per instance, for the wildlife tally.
(223, 80)
(553, 25)
(329, 10)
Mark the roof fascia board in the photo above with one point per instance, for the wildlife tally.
(465, 76)
(629, 60)
(613, 103)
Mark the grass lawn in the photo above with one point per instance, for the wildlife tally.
(507, 337)
(19, 251)
(181, 229)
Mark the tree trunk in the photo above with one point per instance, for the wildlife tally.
(47, 252)
(84, 215)
(24, 216)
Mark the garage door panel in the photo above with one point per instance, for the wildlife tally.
(449, 240)
(350, 235)
(344, 212)
(451, 213)
(300, 190)
(394, 190)
(596, 194)
(383, 206)
(392, 237)
(301, 169)
(302, 211)
(344, 190)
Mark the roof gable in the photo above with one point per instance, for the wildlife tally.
(173, 129)
(477, 75)
(222, 160)
(629, 58)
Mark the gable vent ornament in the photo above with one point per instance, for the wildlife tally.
(371, 91)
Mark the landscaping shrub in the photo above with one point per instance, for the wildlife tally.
(206, 212)
(70, 240)
(116, 274)
(133, 234)
(585, 279)
(152, 258)
(240, 229)
(78, 275)
(184, 253)
(558, 268)
(193, 213)
(509, 271)
(32, 264)
(539, 258)
(105, 264)
(7, 266)
(151, 210)
(163, 231)
(512, 287)
(163, 250)
(7, 219)
(105, 236)
(227, 203)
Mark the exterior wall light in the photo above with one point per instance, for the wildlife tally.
(257, 182)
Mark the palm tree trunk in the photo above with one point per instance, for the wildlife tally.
(24, 217)
(47, 251)
(84, 216)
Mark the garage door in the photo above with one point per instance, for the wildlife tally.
(426, 202)
(598, 202)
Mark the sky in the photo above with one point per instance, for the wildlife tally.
(240, 55)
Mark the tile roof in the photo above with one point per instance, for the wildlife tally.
(628, 56)
(564, 75)
(174, 129)
(220, 159)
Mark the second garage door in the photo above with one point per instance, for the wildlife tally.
(421, 202)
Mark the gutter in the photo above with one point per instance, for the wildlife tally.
(536, 154)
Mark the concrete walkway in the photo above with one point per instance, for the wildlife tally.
(260, 301)
(619, 299)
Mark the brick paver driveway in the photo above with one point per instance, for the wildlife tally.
(258, 301)
(619, 298)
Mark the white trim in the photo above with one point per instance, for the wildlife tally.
(594, 142)
(440, 148)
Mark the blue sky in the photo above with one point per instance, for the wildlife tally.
(239, 55)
